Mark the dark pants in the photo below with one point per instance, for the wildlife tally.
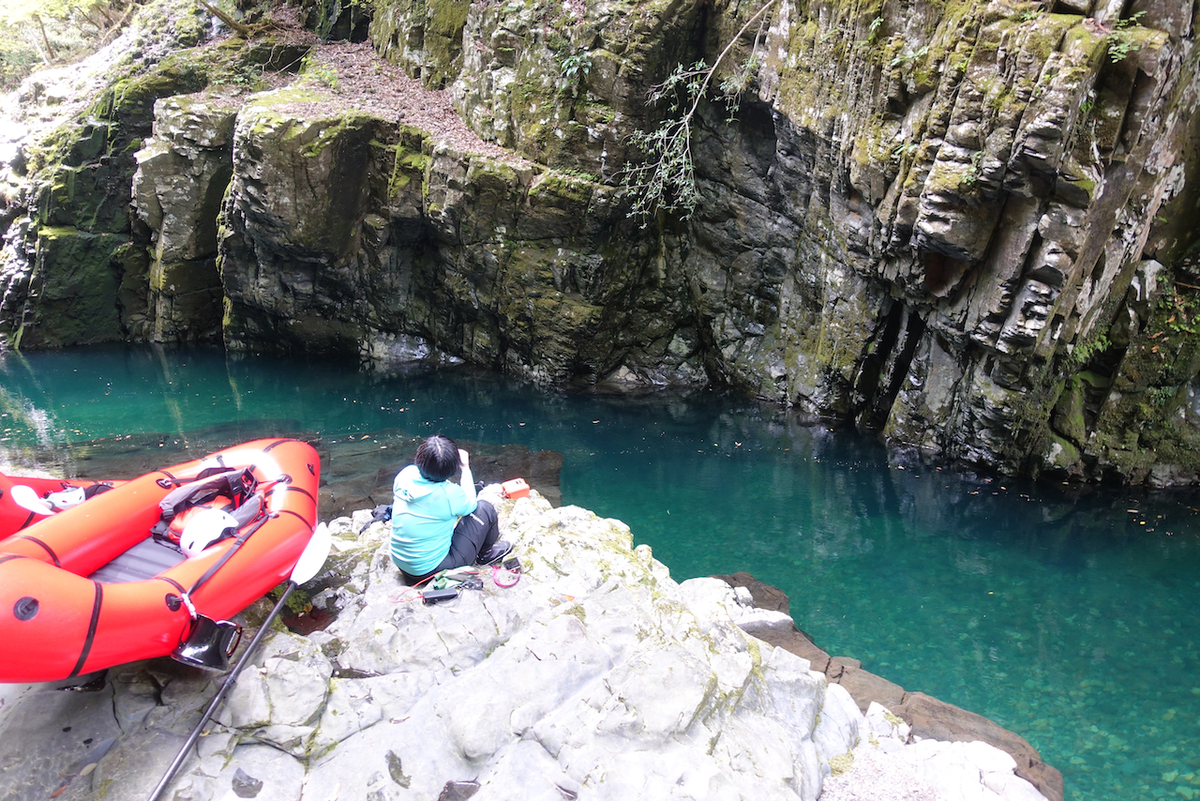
(473, 535)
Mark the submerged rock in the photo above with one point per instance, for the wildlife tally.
(594, 675)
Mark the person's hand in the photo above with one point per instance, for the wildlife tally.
(464, 459)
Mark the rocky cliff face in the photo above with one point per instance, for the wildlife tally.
(967, 226)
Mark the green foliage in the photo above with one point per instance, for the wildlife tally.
(1161, 396)
(1084, 352)
(905, 58)
(573, 71)
(735, 84)
(297, 603)
(316, 71)
(971, 177)
(575, 67)
(1122, 41)
(904, 150)
(873, 30)
(19, 12)
(582, 175)
(33, 31)
(18, 58)
(1182, 311)
(666, 180)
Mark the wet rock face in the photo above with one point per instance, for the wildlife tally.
(967, 228)
(975, 222)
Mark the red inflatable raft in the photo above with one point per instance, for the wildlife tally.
(121, 576)
(14, 516)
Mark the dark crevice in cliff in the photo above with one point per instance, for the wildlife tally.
(882, 374)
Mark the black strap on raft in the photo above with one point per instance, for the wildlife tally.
(49, 551)
(168, 480)
(238, 543)
(86, 649)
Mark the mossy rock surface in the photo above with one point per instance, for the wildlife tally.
(77, 299)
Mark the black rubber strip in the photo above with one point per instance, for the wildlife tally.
(91, 635)
(301, 490)
(172, 582)
(46, 547)
(298, 516)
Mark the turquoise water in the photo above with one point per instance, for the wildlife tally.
(1072, 621)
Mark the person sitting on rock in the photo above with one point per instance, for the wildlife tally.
(436, 524)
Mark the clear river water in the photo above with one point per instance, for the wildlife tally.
(1072, 619)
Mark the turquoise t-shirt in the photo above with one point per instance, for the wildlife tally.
(424, 514)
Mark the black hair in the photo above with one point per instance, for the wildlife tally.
(437, 458)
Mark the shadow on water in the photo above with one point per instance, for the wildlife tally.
(1070, 619)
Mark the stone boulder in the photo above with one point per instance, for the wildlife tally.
(595, 676)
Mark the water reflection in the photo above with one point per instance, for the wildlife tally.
(20, 416)
(1071, 620)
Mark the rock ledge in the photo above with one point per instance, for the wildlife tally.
(595, 676)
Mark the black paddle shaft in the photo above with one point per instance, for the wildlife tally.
(220, 696)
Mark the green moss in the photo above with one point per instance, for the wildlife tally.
(1068, 417)
(1062, 454)
(841, 763)
(554, 186)
(448, 17)
(66, 260)
(410, 162)
(333, 132)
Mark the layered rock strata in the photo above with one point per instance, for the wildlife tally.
(968, 227)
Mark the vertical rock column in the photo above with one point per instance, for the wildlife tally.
(183, 172)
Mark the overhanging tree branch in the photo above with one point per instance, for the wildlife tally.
(666, 179)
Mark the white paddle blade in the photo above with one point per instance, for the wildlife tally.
(26, 497)
(314, 554)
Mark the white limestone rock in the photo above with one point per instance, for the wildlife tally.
(596, 677)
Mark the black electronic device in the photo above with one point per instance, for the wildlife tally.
(438, 596)
(512, 564)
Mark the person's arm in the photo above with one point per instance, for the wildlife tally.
(467, 481)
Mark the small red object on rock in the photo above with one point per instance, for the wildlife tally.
(516, 488)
